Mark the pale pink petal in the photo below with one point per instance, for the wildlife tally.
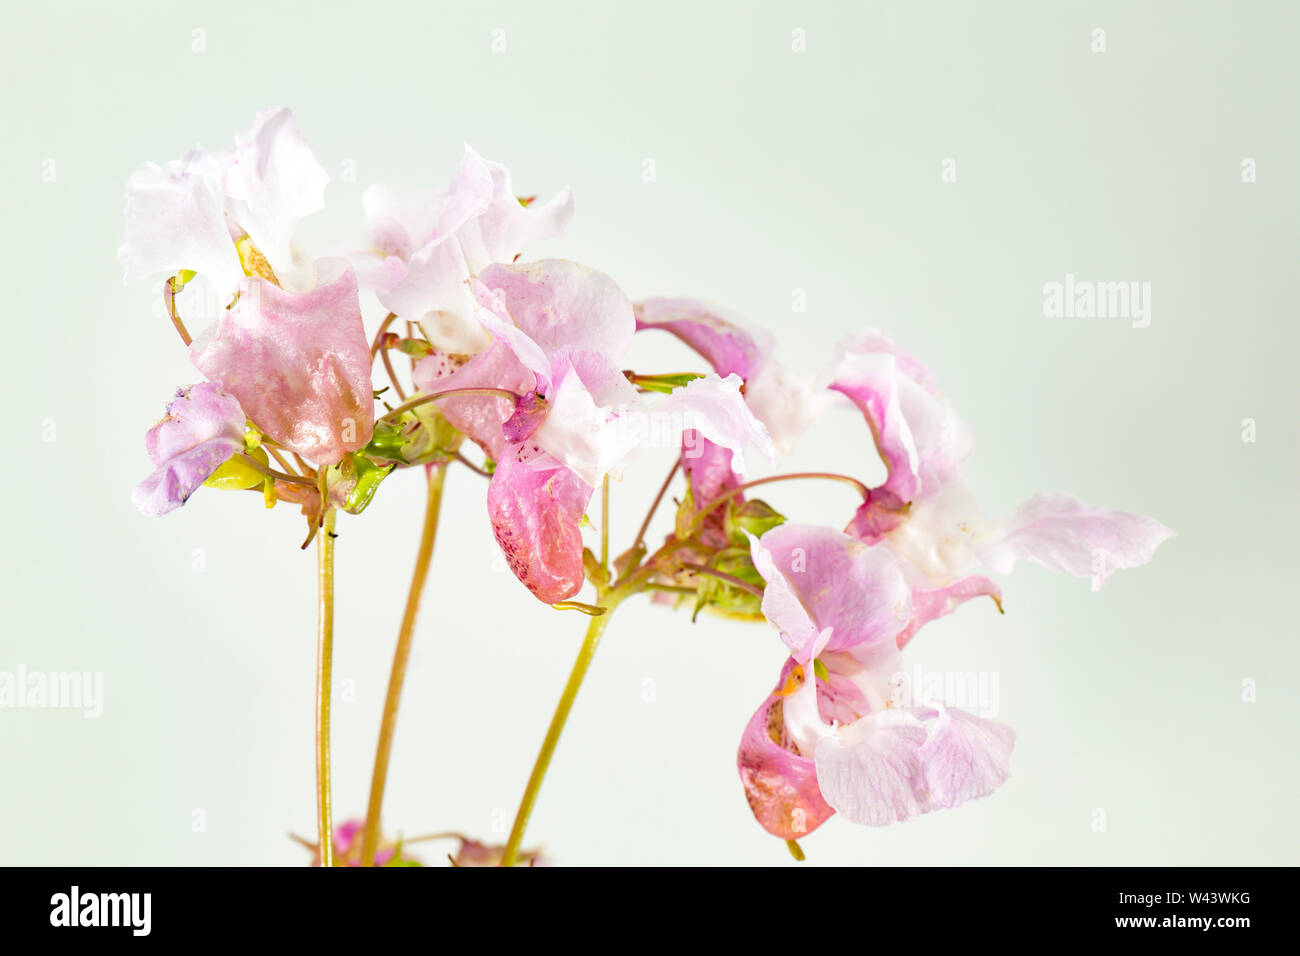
(920, 438)
(433, 292)
(175, 220)
(820, 578)
(500, 229)
(965, 757)
(722, 341)
(535, 504)
(871, 770)
(931, 603)
(563, 305)
(273, 182)
(481, 417)
(299, 363)
(715, 408)
(1062, 533)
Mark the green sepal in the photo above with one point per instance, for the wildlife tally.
(597, 573)
(368, 475)
(755, 516)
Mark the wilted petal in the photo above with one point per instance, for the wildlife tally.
(819, 578)
(535, 504)
(299, 363)
(1062, 533)
(203, 427)
(780, 784)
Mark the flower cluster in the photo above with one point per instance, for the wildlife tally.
(527, 360)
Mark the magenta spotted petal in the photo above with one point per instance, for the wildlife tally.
(203, 427)
(299, 363)
(535, 504)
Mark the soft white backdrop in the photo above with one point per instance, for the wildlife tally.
(776, 171)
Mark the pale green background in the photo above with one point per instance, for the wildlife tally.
(776, 171)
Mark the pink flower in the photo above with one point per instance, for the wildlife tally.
(203, 427)
(188, 214)
(831, 738)
(559, 331)
(925, 514)
(291, 346)
(299, 363)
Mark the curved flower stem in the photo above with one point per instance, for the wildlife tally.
(169, 299)
(324, 683)
(397, 677)
(722, 576)
(654, 505)
(825, 475)
(588, 651)
(448, 393)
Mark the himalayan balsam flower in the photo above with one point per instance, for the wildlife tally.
(290, 347)
(203, 428)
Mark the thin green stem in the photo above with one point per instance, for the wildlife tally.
(324, 683)
(825, 475)
(401, 656)
(604, 523)
(580, 666)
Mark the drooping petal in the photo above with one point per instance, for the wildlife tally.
(299, 363)
(723, 342)
(931, 603)
(916, 432)
(715, 408)
(274, 181)
(203, 427)
(1062, 533)
(820, 578)
(535, 504)
(175, 220)
(965, 757)
(871, 770)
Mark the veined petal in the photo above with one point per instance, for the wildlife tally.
(481, 417)
(535, 504)
(715, 408)
(965, 757)
(1062, 533)
(433, 292)
(299, 363)
(871, 770)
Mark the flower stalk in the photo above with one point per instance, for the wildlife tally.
(324, 683)
(401, 656)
